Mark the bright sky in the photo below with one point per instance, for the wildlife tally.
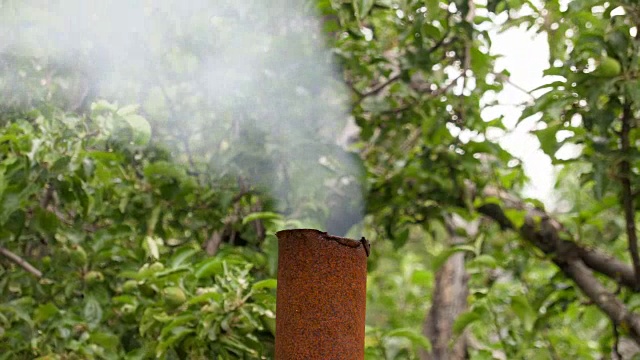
(525, 55)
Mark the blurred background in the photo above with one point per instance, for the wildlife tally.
(149, 152)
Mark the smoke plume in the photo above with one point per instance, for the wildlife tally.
(241, 88)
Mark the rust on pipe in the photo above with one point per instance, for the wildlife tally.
(321, 296)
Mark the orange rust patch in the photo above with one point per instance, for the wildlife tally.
(321, 296)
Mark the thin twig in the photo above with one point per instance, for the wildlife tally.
(627, 197)
(434, 94)
(442, 41)
(48, 196)
(508, 80)
(91, 228)
(376, 89)
(616, 342)
(20, 262)
(443, 90)
(379, 87)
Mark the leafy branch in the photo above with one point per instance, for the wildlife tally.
(443, 41)
(575, 261)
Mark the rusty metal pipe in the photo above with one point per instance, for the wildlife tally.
(321, 296)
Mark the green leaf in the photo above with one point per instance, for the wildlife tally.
(485, 260)
(264, 215)
(552, 85)
(480, 62)
(208, 268)
(141, 129)
(177, 335)
(128, 110)
(238, 344)
(103, 105)
(153, 219)
(548, 142)
(176, 322)
(173, 271)
(92, 311)
(422, 278)
(517, 217)
(206, 297)
(265, 284)
(15, 198)
(107, 341)
(182, 255)
(45, 221)
(164, 171)
(20, 308)
(464, 320)
(362, 7)
(152, 247)
(415, 337)
(384, 3)
(601, 179)
(441, 258)
(521, 307)
(124, 299)
(430, 31)
(401, 238)
(131, 275)
(45, 312)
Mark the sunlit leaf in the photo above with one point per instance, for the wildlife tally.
(266, 215)
(415, 337)
(265, 284)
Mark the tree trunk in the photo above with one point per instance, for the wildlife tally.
(449, 300)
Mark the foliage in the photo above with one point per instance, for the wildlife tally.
(399, 285)
(114, 204)
(198, 74)
(421, 75)
(116, 230)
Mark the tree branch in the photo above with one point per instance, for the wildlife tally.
(608, 265)
(575, 261)
(615, 309)
(212, 244)
(627, 194)
(20, 262)
(596, 260)
(376, 89)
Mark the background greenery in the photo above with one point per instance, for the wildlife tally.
(140, 187)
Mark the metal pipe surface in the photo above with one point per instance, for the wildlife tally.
(321, 296)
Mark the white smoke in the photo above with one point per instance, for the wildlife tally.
(244, 86)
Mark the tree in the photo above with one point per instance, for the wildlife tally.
(418, 80)
(101, 245)
(148, 229)
(132, 232)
